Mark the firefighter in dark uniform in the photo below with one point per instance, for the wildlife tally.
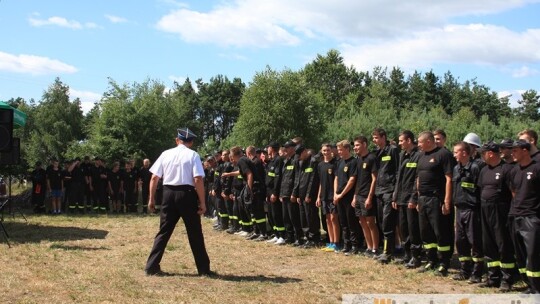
(466, 198)
(495, 199)
(344, 184)
(434, 186)
(291, 222)
(78, 180)
(39, 188)
(183, 197)
(525, 214)
(505, 148)
(215, 193)
(405, 199)
(145, 175)
(252, 163)
(387, 164)
(226, 191)
(306, 188)
(273, 172)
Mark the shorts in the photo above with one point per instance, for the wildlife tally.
(56, 193)
(328, 207)
(360, 208)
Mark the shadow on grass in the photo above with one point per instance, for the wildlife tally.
(75, 248)
(247, 278)
(23, 233)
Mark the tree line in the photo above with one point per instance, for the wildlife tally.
(324, 101)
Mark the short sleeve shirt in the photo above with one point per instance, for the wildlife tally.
(178, 166)
(346, 168)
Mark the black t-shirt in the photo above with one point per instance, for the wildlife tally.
(115, 179)
(431, 171)
(129, 178)
(346, 169)
(494, 183)
(238, 181)
(526, 184)
(55, 178)
(145, 176)
(536, 156)
(327, 174)
(78, 175)
(367, 165)
(96, 173)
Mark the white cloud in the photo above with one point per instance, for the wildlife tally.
(35, 65)
(474, 43)
(512, 95)
(61, 22)
(87, 98)
(524, 71)
(256, 23)
(116, 19)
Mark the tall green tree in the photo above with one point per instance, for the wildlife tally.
(56, 122)
(529, 105)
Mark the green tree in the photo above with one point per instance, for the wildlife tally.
(529, 105)
(55, 123)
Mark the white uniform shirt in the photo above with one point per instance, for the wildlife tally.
(178, 166)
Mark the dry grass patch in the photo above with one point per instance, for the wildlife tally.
(100, 259)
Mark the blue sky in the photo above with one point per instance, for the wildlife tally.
(86, 42)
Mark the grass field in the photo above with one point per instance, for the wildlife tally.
(100, 259)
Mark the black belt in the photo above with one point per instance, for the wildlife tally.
(179, 187)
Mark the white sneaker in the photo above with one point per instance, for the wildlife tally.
(273, 240)
(280, 241)
(243, 233)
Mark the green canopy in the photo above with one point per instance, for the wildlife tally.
(19, 118)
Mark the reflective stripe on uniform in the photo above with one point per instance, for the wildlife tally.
(411, 165)
(533, 274)
(467, 185)
(289, 167)
(430, 246)
(386, 158)
(443, 248)
(260, 221)
(308, 170)
(508, 265)
(223, 215)
(494, 264)
(522, 270)
(476, 260)
(465, 258)
(271, 174)
(279, 228)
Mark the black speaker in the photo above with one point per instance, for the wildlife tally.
(12, 157)
(6, 129)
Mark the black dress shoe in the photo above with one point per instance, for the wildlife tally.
(157, 273)
(208, 273)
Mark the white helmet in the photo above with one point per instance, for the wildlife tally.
(473, 139)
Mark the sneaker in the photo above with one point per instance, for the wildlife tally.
(261, 238)
(280, 241)
(441, 271)
(413, 263)
(475, 279)
(329, 247)
(344, 250)
(309, 244)
(252, 236)
(428, 267)
(231, 231)
(505, 287)
(461, 277)
(368, 253)
(243, 233)
(489, 284)
(384, 258)
(353, 251)
(273, 240)
(298, 243)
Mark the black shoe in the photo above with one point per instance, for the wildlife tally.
(441, 271)
(157, 273)
(353, 251)
(344, 250)
(461, 277)
(474, 279)
(209, 273)
(309, 244)
(505, 287)
(428, 267)
(489, 284)
(402, 260)
(261, 238)
(413, 263)
(252, 236)
(298, 243)
(384, 258)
